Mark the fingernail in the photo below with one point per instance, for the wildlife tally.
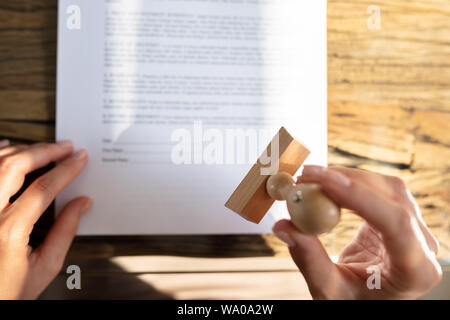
(66, 144)
(286, 238)
(337, 178)
(4, 143)
(80, 154)
(86, 206)
(311, 170)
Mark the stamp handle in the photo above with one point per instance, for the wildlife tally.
(311, 211)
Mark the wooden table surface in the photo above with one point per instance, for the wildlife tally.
(388, 109)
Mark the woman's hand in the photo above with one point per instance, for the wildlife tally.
(25, 273)
(393, 239)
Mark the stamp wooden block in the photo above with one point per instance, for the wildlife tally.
(250, 199)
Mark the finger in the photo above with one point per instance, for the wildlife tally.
(370, 205)
(4, 143)
(394, 221)
(38, 196)
(432, 241)
(390, 186)
(29, 250)
(48, 259)
(37, 156)
(14, 167)
(12, 149)
(310, 257)
(57, 243)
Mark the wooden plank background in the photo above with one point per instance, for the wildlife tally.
(388, 108)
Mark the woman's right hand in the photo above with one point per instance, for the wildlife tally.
(393, 240)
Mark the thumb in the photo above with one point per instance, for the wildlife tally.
(310, 257)
(48, 259)
(52, 252)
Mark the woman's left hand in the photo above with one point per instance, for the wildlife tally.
(25, 273)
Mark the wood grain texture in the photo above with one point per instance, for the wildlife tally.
(225, 285)
(200, 285)
(211, 285)
(388, 108)
(389, 102)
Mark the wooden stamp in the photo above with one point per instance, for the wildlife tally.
(271, 179)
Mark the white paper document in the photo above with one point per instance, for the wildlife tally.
(171, 97)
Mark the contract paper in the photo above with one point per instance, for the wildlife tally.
(170, 99)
